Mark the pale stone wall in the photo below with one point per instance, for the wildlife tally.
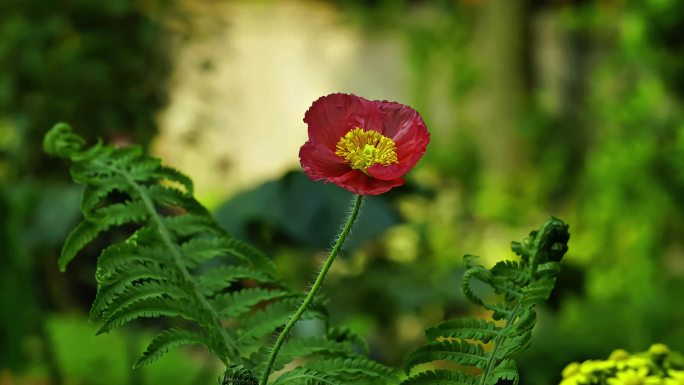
(245, 78)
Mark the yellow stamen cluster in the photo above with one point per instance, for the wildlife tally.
(362, 149)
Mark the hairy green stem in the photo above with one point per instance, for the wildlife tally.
(353, 214)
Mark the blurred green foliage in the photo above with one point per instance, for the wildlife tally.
(102, 66)
(106, 359)
(98, 65)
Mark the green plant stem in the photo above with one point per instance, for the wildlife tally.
(353, 214)
(498, 341)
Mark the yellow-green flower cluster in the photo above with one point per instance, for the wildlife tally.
(675, 377)
(657, 366)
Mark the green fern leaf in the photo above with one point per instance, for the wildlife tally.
(473, 272)
(511, 271)
(151, 308)
(108, 302)
(142, 168)
(115, 258)
(122, 213)
(256, 258)
(537, 292)
(464, 328)
(441, 377)
(191, 224)
(118, 279)
(239, 302)
(462, 352)
(500, 311)
(343, 334)
(94, 194)
(525, 323)
(171, 338)
(200, 250)
(219, 278)
(173, 175)
(513, 345)
(355, 369)
(124, 156)
(86, 231)
(301, 347)
(508, 289)
(274, 315)
(506, 370)
(203, 249)
(170, 197)
(548, 270)
(78, 238)
(237, 375)
(303, 376)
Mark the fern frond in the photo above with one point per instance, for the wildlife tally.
(520, 286)
(177, 263)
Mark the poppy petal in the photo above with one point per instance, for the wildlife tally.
(319, 162)
(357, 182)
(332, 116)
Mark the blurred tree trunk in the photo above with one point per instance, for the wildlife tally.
(497, 106)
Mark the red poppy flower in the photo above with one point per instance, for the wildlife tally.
(364, 146)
